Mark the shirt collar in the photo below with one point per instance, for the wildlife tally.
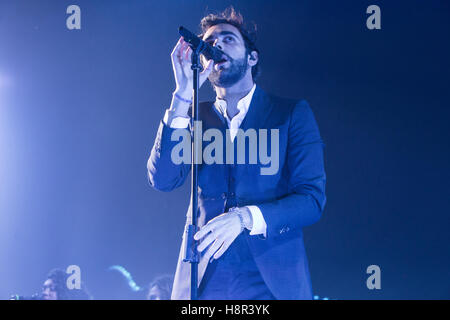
(242, 105)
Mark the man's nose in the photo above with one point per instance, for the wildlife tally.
(217, 44)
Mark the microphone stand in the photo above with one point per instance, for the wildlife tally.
(191, 254)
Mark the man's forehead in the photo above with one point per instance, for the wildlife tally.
(222, 28)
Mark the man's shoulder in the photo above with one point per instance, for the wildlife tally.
(278, 100)
(261, 96)
(285, 104)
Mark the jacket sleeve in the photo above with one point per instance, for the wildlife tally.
(303, 204)
(163, 173)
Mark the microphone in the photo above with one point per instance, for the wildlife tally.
(206, 49)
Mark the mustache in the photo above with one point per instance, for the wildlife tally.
(228, 58)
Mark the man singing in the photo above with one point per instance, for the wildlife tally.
(250, 239)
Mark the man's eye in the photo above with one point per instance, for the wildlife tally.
(228, 39)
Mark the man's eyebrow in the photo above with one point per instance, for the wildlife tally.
(222, 33)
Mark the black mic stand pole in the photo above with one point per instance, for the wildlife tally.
(191, 254)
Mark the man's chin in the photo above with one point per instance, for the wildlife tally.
(221, 83)
(224, 78)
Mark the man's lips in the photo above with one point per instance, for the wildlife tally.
(222, 60)
(218, 65)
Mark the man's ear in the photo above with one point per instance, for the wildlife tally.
(253, 58)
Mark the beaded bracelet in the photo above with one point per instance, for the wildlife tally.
(239, 214)
(181, 98)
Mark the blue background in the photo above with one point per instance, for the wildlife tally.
(79, 110)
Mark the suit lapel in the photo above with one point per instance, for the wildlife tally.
(258, 111)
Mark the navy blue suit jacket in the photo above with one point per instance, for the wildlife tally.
(289, 200)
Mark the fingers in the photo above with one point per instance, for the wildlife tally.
(203, 231)
(214, 247)
(188, 52)
(209, 65)
(182, 52)
(222, 250)
(181, 55)
(181, 60)
(207, 69)
(177, 47)
(213, 225)
(220, 232)
(211, 231)
(207, 241)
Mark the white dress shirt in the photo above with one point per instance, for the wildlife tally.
(259, 224)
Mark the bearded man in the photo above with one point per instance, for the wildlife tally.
(250, 240)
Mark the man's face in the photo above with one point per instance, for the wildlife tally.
(49, 290)
(235, 65)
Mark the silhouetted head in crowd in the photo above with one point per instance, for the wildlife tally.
(160, 288)
(55, 288)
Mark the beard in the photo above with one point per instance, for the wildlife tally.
(225, 78)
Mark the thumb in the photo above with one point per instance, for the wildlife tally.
(207, 70)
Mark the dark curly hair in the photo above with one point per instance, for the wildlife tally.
(164, 284)
(59, 278)
(234, 18)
